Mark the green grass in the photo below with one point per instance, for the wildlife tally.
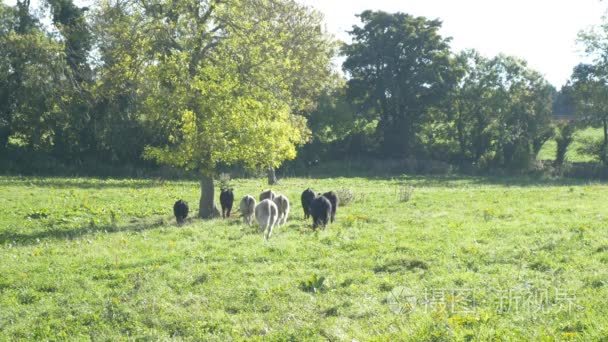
(572, 155)
(463, 259)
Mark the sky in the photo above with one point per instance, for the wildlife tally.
(543, 32)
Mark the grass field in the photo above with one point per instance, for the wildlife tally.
(463, 259)
(573, 154)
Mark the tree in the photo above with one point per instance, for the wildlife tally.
(399, 68)
(73, 131)
(590, 84)
(564, 136)
(524, 106)
(225, 79)
(470, 106)
(30, 68)
(564, 109)
(502, 110)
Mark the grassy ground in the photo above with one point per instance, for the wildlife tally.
(573, 155)
(463, 259)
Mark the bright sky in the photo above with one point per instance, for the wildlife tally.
(543, 32)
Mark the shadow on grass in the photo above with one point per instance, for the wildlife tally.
(82, 183)
(518, 181)
(451, 180)
(75, 233)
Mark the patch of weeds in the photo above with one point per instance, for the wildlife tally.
(472, 266)
(540, 265)
(596, 282)
(113, 219)
(232, 310)
(48, 288)
(314, 284)
(405, 192)
(27, 296)
(464, 320)
(580, 231)
(331, 312)
(37, 214)
(393, 266)
(488, 214)
(385, 287)
(347, 282)
(351, 220)
(573, 327)
(203, 278)
(602, 249)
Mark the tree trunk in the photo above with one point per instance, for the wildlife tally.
(5, 133)
(272, 177)
(563, 139)
(205, 209)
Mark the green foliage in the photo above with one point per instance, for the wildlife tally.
(224, 89)
(399, 68)
(502, 110)
(589, 83)
(30, 70)
(590, 87)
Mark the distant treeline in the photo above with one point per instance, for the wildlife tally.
(149, 82)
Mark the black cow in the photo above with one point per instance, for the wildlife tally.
(226, 201)
(335, 201)
(307, 197)
(320, 210)
(180, 210)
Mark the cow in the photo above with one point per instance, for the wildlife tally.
(247, 207)
(180, 210)
(226, 201)
(320, 210)
(267, 194)
(307, 196)
(335, 201)
(282, 203)
(266, 213)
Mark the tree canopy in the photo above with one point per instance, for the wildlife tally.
(399, 67)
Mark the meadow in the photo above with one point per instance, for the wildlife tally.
(410, 258)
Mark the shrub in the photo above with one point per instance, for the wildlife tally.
(405, 192)
(345, 196)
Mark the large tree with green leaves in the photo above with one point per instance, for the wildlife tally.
(74, 132)
(30, 75)
(224, 81)
(590, 87)
(399, 68)
(501, 110)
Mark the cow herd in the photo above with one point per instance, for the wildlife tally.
(272, 209)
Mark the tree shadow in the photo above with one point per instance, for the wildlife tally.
(75, 233)
(506, 181)
(83, 183)
(457, 180)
